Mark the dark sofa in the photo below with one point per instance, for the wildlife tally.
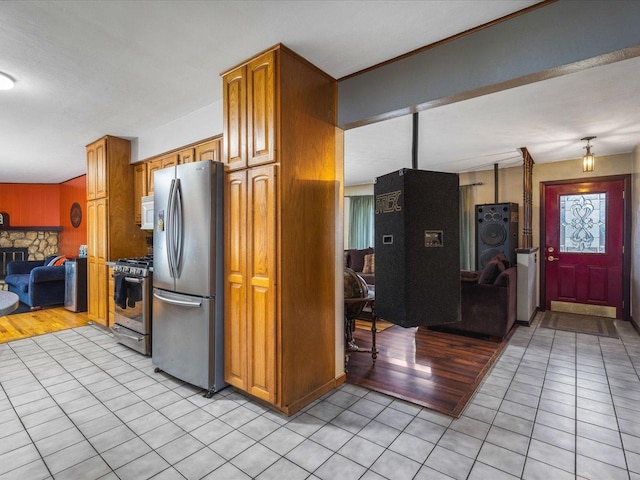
(488, 301)
(36, 284)
(355, 260)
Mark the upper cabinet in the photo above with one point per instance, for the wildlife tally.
(235, 118)
(249, 94)
(187, 155)
(261, 110)
(139, 189)
(143, 171)
(97, 170)
(208, 151)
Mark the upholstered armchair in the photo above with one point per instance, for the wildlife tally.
(37, 284)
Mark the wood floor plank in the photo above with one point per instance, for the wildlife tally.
(28, 324)
(437, 370)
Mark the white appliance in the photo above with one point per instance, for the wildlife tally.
(147, 213)
(188, 311)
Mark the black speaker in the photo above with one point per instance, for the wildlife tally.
(417, 248)
(496, 232)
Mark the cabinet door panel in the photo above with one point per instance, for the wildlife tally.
(235, 326)
(186, 156)
(92, 290)
(92, 231)
(261, 122)
(235, 120)
(102, 231)
(208, 151)
(151, 168)
(139, 189)
(102, 295)
(169, 160)
(101, 169)
(91, 172)
(261, 266)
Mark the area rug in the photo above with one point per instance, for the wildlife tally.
(437, 370)
(381, 325)
(572, 322)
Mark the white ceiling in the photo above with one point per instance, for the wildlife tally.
(85, 69)
(548, 117)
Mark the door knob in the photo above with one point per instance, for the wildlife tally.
(551, 258)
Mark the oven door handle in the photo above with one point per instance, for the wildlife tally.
(116, 330)
(181, 303)
(134, 280)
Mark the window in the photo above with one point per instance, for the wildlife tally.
(361, 222)
(583, 223)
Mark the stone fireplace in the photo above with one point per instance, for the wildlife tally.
(33, 243)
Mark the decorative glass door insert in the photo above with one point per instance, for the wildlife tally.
(583, 223)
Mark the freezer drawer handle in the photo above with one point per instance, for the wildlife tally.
(173, 301)
(116, 330)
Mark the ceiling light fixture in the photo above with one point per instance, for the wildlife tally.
(588, 161)
(6, 82)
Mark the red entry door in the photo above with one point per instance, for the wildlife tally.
(583, 255)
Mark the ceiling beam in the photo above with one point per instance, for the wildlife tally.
(559, 38)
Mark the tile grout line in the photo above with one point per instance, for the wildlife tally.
(613, 404)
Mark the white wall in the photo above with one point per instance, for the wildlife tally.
(203, 123)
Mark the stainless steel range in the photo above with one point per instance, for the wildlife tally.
(132, 296)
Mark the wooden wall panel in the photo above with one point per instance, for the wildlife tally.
(36, 204)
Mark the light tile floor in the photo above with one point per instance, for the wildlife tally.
(76, 405)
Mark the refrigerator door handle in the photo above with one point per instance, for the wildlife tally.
(179, 228)
(169, 230)
(173, 301)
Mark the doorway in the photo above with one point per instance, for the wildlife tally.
(584, 229)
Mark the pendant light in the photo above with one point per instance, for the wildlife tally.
(588, 161)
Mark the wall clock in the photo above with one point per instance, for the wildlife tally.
(75, 215)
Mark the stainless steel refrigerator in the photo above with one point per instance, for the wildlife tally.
(188, 313)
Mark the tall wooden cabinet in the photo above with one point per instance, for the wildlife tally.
(111, 229)
(280, 211)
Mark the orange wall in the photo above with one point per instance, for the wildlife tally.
(74, 190)
(31, 204)
(48, 205)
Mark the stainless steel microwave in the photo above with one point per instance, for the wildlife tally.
(147, 213)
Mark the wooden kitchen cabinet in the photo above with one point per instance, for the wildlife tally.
(208, 151)
(139, 189)
(96, 170)
(158, 164)
(111, 229)
(111, 304)
(280, 227)
(249, 96)
(188, 155)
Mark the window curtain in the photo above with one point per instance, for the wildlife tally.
(361, 222)
(467, 213)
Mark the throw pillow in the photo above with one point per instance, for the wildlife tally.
(490, 272)
(57, 261)
(502, 258)
(357, 259)
(369, 263)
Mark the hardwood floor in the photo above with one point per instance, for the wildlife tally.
(434, 369)
(23, 325)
